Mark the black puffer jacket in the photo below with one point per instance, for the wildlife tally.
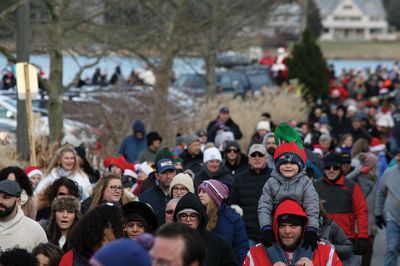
(218, 250)
(246, 191)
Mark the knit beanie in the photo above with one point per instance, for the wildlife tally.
(216, 190)
(285, 133)
(332, 159)
(121, 252)
(152, 136)
(211, 153)
(290, 152)
(163, 153)
(263, 125)
(184, 180)
(189, 139)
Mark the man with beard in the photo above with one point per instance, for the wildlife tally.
(15, 228)
(288, 226)
(270, 146)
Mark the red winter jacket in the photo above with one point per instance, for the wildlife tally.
(324, 255)
(345, 204)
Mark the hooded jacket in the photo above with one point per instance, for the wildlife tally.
(324, 255)
(131, 146)
(298, 188)
(218, 251)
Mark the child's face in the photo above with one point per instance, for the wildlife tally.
(288, 170)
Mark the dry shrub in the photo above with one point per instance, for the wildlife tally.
(9, 157)
(246, 113)
(45, 150)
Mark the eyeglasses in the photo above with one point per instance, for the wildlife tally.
(335, 167)
(170, 211)
(256, 154)
(191, 216)
(116, 188)
(181, 189)
(232, 150)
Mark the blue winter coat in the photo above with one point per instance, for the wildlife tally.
(131, 147)
(230, 226)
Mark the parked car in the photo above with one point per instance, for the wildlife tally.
(231, 59)
(234, 82)
(258, 76)
(194, 84)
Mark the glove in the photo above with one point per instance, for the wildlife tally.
(267, 237)
(360, 246)
(311, 238)
(380, 222)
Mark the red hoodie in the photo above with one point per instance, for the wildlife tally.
(324, 255)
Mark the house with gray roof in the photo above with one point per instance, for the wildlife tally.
(354, 20)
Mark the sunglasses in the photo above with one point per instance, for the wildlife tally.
(232, 150)
(334, 167)
(169, 212)
(256, 154)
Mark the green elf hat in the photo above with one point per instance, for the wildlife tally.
(285, 133)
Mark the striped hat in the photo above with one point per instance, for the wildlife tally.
(216, 190)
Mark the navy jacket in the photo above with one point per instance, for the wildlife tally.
(231, 228)
(157, 200)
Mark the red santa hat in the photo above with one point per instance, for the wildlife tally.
(130, 170)
(376, 145)
(33, 170)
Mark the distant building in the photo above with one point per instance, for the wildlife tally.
(354, 20)
(285, 19)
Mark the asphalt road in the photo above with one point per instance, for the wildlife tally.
(380, 249)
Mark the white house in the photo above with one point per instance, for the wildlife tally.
(354, 20)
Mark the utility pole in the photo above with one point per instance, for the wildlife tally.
(23, 42)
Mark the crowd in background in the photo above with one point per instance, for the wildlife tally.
(343, 161)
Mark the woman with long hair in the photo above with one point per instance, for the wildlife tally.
(65, 164)
(95, 229)
(65, 212)
(223, 219)
(107, 189)
(61, 187)
(15, 173)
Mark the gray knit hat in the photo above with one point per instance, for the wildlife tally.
(189, 139)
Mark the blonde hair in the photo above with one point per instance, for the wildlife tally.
(212, 213)
(56, 160)
(98, 190)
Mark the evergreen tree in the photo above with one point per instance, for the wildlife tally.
(308, 66)
(314, 19)
(392, 11)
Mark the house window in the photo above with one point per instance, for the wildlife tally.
(374, 18)
(326, 30)
(376, 31)
(355, 18)
(339, 18)
(347, 7)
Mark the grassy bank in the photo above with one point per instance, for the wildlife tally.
(361, 50)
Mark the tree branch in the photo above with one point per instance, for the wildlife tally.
(11, 9)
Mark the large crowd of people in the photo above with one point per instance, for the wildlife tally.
(312, 192)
